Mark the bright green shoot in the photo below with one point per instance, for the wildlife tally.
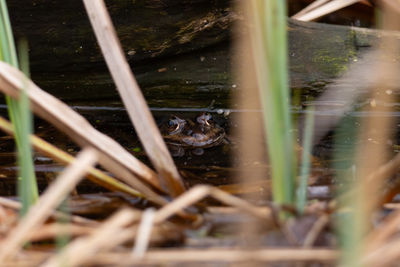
(19, 112)
(270, 46)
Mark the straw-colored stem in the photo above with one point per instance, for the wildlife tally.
(220, 255)
(326, 9)
(49, 201)
(112, 156)
(57, 154)
(81, 250)
(132, 97)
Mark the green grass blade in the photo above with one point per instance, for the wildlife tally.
(306, 161)
(350, 225)
(19, 113)
(272, 72)
(27, 186)
(9, 41)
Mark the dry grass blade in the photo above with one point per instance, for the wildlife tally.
(49, 201)
(326, 9)
(223, 255)
(144, 232)
(387, 170)
(313, 5)
(392, 4)
(199, 192)
(12, 204)
(132, 97)
(94, 174)
(317, 228)
(54, 230)
(83, 249)
(386, 255)
(112, 155)
(218, 255)
(388, 228)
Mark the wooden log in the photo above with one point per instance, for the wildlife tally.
(180, 59)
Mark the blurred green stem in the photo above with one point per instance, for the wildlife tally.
(305, 161)
(270, 54)
(19, 112)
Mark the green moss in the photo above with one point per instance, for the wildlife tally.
(335, 61)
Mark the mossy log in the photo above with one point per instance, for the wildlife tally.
(179, 50)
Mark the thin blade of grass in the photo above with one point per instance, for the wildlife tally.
(305, 161)
(8, 45)
(19, 113)
(270, 52)
(27, 186)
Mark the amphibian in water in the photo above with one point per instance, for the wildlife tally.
(181, 135)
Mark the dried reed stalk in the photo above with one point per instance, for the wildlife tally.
(328, 8)
(54, 230)
(375, 241)
(84, 249)
(200, 192)
(387, 254)
(370, 184)
(250, 131)
(314, 232)
(187, 256)
(388, 228)
(144, 233)
(132, 97)
(12, 204)
(101, 239)
(226, 255)
(111, 155)
(313, 5)
(57, 154)
(46, 204)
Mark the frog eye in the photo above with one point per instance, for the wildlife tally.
(207, 116)
(172, 122)
(175, 125)
(204, 118)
